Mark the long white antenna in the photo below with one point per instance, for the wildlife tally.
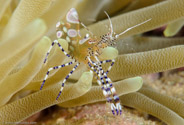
(110, 23)
(86, 28)
(83, 25)
(131, 28)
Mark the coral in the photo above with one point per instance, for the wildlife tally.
(23, 46)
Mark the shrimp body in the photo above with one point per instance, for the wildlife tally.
(86, 50)
(78, 47)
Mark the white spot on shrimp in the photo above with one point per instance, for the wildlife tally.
(72, 16)
(65, 29)
(72, 33)
(59, 34)
(68, 39)
(58, 24)
(83, 41)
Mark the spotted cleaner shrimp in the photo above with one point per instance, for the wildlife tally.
(87, 50)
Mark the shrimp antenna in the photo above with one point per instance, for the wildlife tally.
(83, 25)
(131, 28)
(111, 27)
(86, 28)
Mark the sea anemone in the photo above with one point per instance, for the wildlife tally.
(27, 28)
